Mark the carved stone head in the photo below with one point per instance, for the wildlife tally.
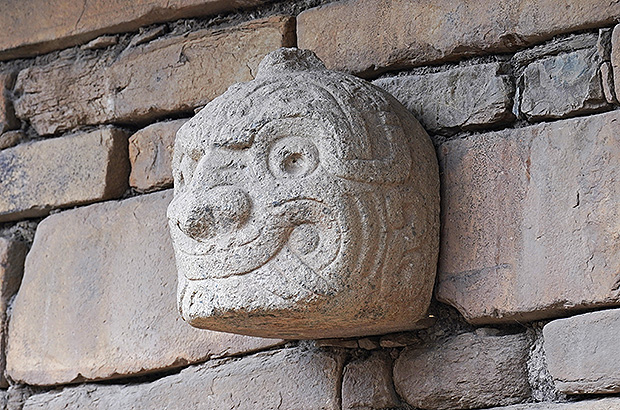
(306, 206)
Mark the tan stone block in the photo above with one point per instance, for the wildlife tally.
(8, 121)
(150, 154)
(368, 36)
(71, 170)
(98, 299)
(148, 81)
(367, 383)
(284, 379)
(469, 371)
(602, 404)
(583, 353)
(39, 26)
(530, 220)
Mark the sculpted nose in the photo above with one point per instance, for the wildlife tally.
(217, 211)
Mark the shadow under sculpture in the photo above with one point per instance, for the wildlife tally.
(306, 205)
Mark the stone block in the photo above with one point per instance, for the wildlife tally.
(12, 256)
(150, 154)
(11, 138)
(469, 371)
(523, 58)
(615, 58)
(284, 379)
(192, 69)
(562, 86)
(61, 172)
(460, 98)
(370, 36)
(583, 353)
(40, 26)
(8, 121)
(367, 383)
(607, 79)
(98, 299)
(530, 220)
(602, 404)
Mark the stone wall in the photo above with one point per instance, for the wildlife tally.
(520, 101)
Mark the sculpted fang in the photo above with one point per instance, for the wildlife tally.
(306, 206)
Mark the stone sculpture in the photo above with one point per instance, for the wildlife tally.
(306, 206)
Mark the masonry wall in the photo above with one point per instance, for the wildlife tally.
(519, 99)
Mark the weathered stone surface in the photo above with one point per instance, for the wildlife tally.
(368, 36)
(305, 201)
(8, 121)
(529, 220)
(561, 86)
(98, 299)
(602, 404)
(11, 138)
(464, 97)
(150, 154)
(192, 69)
(12, 255)
(583, 353)
(603, 43)
(468, 371)
(101, 42)
(615, 57)
(523, 58)
(607, 79)
(284, 379)
(70, 170)
(39, 26)
(367, 383)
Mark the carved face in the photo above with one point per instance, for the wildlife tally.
(293, 201)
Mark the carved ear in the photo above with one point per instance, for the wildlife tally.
(289, 60)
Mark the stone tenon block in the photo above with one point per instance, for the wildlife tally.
(283, 379)
(530, 220)
(70, 170)
(148, 81)
(369, 36)
(98, 299)
(471, 370)
(460, 98)
(583, 353)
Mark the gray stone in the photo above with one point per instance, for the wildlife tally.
(583, 353)
(61, 172)
(529, 220)
(98, 299)
(468, 371)
(615, 57)
(602, 404)
(522, 59)
(101, 42)
(459, 98)
(11, 138)
(562, 86)
(285, 379)
(305, 201)
(150, 154)
(8, 121)
(367, 383)
(607, 78)
(603, 44)
(144, 36)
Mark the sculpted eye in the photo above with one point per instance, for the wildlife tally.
(293, 157)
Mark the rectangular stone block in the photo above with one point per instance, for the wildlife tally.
(583, 353)
(530, 220)
(370, 36)
(8, 121)
(615, 58)
(98, 299)
(165, 76)
(39, 26)
(461, 98)
(612, 403)
(284, 379)
(367, 383)
(70, 170)
(150, 154)
(471, 370)
(561, 86)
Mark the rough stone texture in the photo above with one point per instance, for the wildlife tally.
(8, 121)
(98, 299)
(615, 57)
(12, 255)
(464, 97)
(192, 69)
(368, 36)
(367, 383)
(583, 353)
(305, 201)
(284, 379)
(529, 220)
(150, 154)
(523, 58)
(101, 42)
(602, 404)
(70, 170)
(607, 79)
(603, 43)
(11, 138)
(468, 371)
(561, 86)
(39, 26)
